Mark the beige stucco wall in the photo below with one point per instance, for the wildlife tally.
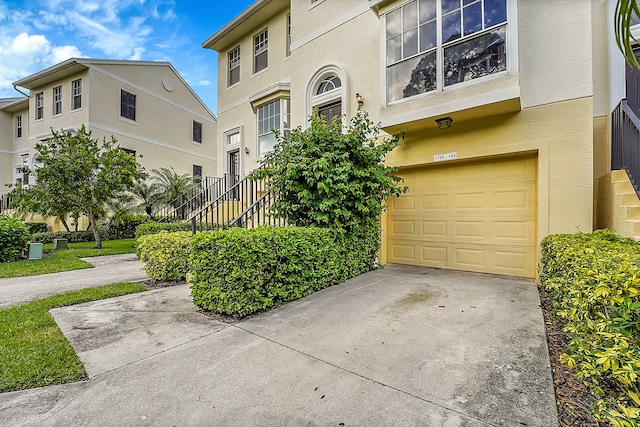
(234, 107)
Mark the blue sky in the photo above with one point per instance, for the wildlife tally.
(36, 34)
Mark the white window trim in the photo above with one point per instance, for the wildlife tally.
(341, 93)
(233, 147)
(265, 49)
(56, 102)
(229, 67)
(260, 155)
(512, 56)
(73, 94)
(18, 118)
(36, 118)
(315, 3)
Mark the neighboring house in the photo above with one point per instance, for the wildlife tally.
(146, 106)
(527, 88)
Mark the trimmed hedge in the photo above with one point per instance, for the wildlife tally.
(14, 237)
(594, 280)
(239, 272)
(37, 227)
(125, 227)
(156, 227)
(72, 236)
(165, 255)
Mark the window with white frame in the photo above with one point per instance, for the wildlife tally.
(57, 100)
(433, 44)
(273, 116)
(234, 67)
(261, 51)
(39, 105)
(19, 126)
(76, 94)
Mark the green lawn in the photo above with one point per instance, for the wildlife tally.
(33, 350)
(65, 260)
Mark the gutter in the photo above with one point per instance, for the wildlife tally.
(16, 88)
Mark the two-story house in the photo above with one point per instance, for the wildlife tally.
(504, 106)
(146, 106)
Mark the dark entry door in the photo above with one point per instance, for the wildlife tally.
(633, 85)
(234, 172)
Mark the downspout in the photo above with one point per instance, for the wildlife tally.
(16, 88)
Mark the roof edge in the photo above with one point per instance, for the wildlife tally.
(253, 8)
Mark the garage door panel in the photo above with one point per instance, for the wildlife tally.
(488, 224)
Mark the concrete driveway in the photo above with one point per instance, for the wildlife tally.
(402, 346)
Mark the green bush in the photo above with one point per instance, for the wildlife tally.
(14, 236)
(125, 226)
(165, 255)
(156, 227)
(239, 272)
(594, 280)
(72, 236)
(37, 227)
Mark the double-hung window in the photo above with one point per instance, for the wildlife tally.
(273, 116)
(433, 44)
(127, 105)
(19, 126)
(39, 105)
(76, 94)
(234, 67)
(261, 51)
(57, 100)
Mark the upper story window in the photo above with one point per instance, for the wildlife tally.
(129, 151)
(39, 105)
(234, 67)
(197, 132)
(289, 34)
(19, 126)
(57, 100)
(261, 51)
(432, 44)
(273, 116)
(127, 105)
(197, 172)
(328, 84)
(76, 94)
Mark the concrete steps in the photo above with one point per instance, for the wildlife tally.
(618, 205)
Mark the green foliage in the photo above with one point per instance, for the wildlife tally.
(242, 271)
(171, 185)
(626, 12)
(65, 260)
(14, 236)
(157, 227)
(325, 177)
(124, 227)
(594, 280)
(33, 350)
(165, 255)
(76, 175)
(71, 236)
(37, 227)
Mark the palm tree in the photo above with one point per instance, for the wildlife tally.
(172, 185)
(146, 196)
(627, 14)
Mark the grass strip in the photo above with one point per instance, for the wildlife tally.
(66, 259)
(33, 350)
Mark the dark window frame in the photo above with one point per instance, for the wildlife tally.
(127, 105)
(197, 132)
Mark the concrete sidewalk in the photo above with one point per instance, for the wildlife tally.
(107, 269)
(395, 347)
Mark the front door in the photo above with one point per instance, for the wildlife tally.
(233, 169)
(633, 85)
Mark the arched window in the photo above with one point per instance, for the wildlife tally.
(327, 92)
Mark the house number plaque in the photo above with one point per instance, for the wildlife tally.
(445, 156)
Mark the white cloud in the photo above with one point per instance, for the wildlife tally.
(137, 54)
(204, 83)
(25, 45)
(62, 53)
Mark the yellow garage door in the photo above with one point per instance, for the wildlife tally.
(477, 216)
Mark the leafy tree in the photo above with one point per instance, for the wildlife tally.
(78, 174)
(325, 177)
(627, 12)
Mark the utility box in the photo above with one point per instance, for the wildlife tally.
(34, 251)
(60, 244)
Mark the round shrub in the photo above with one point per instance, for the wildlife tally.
(14, 237)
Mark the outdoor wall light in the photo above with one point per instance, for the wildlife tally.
(246, 150)
(444, 122)
(359, 100)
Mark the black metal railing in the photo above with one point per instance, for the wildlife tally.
(197, 196)
(245, 203)
(5, 201)
(625, 142)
